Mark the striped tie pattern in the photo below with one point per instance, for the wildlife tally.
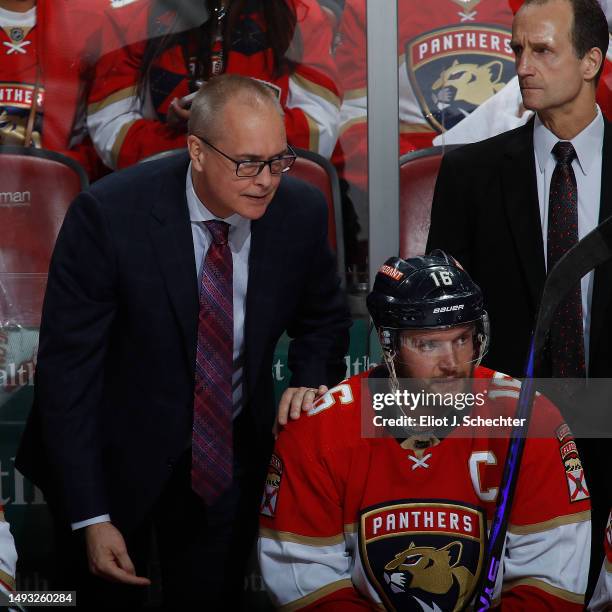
(566, 333)
(211, 449)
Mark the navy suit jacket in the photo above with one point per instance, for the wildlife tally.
(115, 373)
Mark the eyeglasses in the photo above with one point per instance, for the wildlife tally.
(248, 168)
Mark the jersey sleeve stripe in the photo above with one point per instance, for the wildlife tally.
(552, 558)
(351, 123)
(286, 536)
(313, 134)
(122, 94)
(569, 519)
(318, 594)
(576, 598)
(7, 580)
(317, 90)
(354, 94)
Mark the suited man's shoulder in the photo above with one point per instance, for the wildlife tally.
(305, 201)
(139, 185)
(491, 150)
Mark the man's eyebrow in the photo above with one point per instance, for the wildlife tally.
(257, 157)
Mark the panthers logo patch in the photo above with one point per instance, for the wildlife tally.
(424, 555)
(272, 487)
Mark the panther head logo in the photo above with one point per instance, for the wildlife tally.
(468, 83)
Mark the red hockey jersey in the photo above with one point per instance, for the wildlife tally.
(124, 133)
(349, 522)
(453, 55)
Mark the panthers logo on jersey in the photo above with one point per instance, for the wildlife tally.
(423, 555)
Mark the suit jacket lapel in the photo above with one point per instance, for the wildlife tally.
(602, 286)
(520, 193)
(170, 231)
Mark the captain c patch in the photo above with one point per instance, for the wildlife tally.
(272, 487)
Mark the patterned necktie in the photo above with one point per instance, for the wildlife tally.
(566, 333)
(211, 449)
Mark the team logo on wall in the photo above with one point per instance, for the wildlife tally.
(272, 487)
(423, 555)
(454, 70)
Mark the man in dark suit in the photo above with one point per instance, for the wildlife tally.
(496, 202)
(140, 424)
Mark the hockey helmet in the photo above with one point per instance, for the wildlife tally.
(429, 292)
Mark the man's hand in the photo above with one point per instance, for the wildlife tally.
(108, 557)
(293, 401)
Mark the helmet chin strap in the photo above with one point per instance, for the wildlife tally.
(389, 359)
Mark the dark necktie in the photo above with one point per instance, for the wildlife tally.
(566, 333)
(211, 450)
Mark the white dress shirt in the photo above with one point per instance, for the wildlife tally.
(239, 240)
(588, 145)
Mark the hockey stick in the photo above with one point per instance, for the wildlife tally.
(593, 250)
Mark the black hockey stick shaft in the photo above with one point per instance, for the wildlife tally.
(593, 250)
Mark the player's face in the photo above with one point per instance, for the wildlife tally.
(246, 133)
(551, 76)
(443, 357)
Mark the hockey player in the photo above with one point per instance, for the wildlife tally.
(352, 519)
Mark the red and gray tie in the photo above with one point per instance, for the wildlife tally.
(566, 333)
(211, 450)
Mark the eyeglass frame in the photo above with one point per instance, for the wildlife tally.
(264, 163)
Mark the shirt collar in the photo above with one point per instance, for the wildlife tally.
(198, 213)
(587, 144)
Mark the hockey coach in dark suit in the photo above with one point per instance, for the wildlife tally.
(169, 286)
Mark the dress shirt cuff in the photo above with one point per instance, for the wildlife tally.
(92, 521)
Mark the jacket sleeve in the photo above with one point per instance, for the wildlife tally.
(78, 312)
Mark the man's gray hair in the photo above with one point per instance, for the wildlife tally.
(210, 101)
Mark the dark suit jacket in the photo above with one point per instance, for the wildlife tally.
(115, 372)
(485, 213)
